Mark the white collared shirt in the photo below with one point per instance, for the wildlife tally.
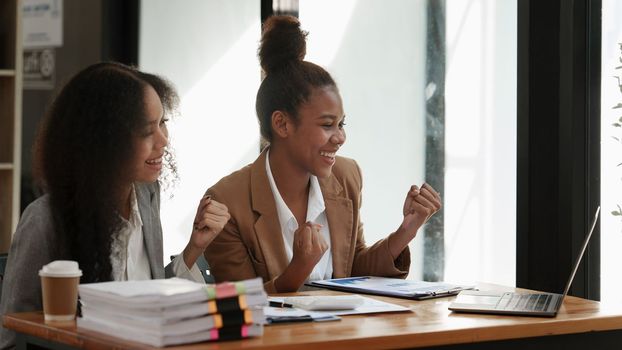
(128, 255)
(316, 213)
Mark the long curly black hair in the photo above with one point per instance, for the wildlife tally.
(83, 150)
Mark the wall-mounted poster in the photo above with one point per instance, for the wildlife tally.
(39, 69)
(42, 23)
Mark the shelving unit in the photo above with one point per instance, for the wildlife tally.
(10, 118)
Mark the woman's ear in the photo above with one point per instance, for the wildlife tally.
(280, 124)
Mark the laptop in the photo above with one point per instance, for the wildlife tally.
(518, 303)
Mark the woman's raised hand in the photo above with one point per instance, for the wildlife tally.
(209, 221)
(419, 206)
(309, 246)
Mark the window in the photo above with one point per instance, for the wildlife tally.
(480, 194)
(377, 51)
(611, 152)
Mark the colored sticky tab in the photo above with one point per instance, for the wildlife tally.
(211, 307)
(226, 290)
(228, 304)
(233, 318)
(242, 302)
(218, 321)
(241, 288)
(211, 293)
(248, 316)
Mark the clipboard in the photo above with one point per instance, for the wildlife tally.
(392, 287)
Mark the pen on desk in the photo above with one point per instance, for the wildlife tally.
(288, 319)
(279, 304)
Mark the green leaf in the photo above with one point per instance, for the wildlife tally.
(620, 120)
(615, 138)
(619, 105)
(619, 164)
(616, 213)
(617, 125)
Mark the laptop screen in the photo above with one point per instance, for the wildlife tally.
(578, 261)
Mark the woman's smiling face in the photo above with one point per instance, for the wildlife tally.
(150, 141)
(317, 132)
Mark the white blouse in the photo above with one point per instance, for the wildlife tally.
(316, 213)
(128, 254)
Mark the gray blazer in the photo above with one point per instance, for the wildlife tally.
(34, 241)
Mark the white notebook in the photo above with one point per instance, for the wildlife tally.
(159, 339)
(160, 292)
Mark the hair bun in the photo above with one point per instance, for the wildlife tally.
(282, 43)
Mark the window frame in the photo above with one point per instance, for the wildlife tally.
(558, 180)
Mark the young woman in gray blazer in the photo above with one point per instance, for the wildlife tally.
(99, 156)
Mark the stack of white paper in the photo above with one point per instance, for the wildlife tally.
(173, 311)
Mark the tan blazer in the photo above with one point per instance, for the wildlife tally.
(251, 243)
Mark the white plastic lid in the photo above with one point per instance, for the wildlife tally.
(61, 268)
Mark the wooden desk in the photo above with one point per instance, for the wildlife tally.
(580, 324)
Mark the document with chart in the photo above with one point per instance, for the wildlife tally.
(393, 287)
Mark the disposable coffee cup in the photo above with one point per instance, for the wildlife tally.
(59, 286)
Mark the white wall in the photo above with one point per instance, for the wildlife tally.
(375, 50)
(207, 48)
(480, 181)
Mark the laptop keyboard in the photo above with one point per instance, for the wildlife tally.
(527, 302)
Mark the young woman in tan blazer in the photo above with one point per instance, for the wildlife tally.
(295, 210)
